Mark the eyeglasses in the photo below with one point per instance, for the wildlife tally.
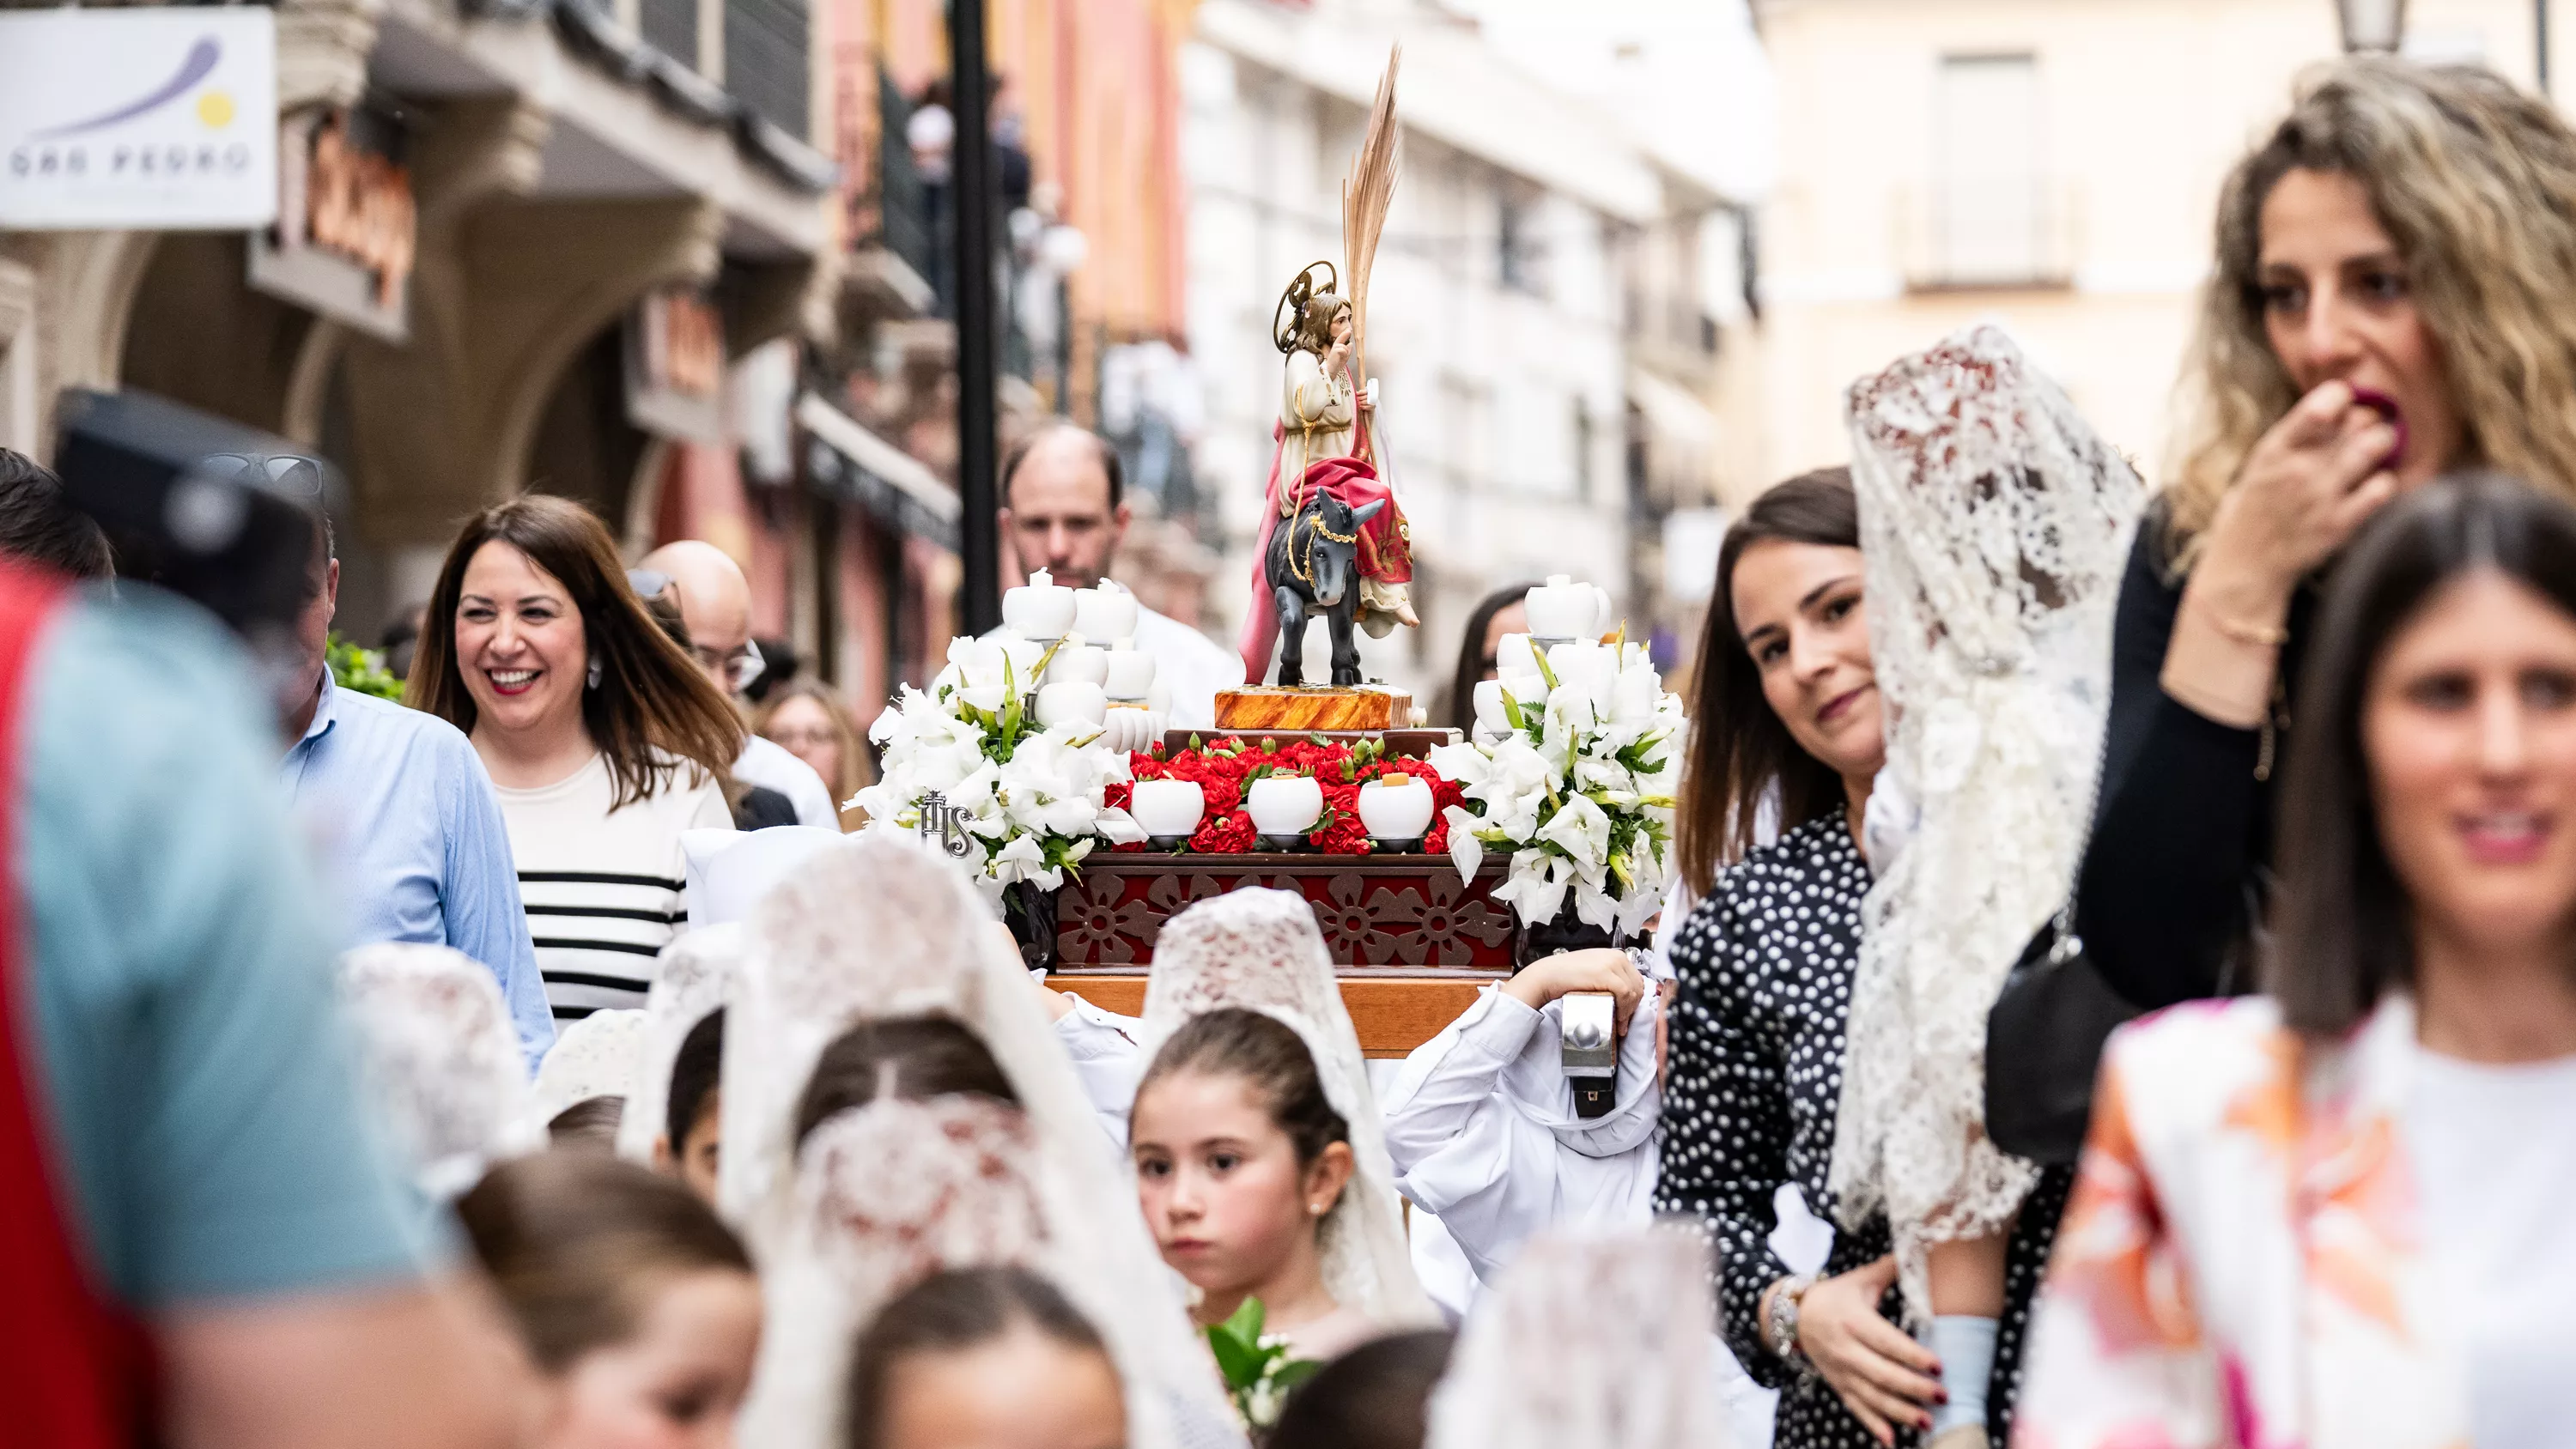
(735, 669)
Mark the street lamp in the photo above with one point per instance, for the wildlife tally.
(2371, 24)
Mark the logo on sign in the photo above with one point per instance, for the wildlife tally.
(69, 149)
(145, 117)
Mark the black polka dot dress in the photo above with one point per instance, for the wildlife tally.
(1765, 964)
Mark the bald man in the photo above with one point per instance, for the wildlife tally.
(1062, 508)
(715, 603)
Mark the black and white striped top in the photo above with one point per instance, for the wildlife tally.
(604, 892)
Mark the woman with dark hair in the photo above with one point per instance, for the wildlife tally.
(1786, 725)
(1497, 614)
(2377, 313)
(603, 738)
(2337, 1214)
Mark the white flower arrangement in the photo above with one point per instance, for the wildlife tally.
(1578, 786)
(1018, 802)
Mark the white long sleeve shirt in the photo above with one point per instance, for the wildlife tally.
(1482, 1127)
(1106, 1061)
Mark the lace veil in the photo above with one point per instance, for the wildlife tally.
(1995, 526)
(695, 977)
(881, 926)
(1590, 1341)
(441, 1061)
(593, 1057)
(1259, 950)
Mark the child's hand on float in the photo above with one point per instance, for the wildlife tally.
(1603, 969)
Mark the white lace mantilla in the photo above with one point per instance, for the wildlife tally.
(441, 1061)
(694, 979)
(593, 1057)
(1259, 950)
(1596, 1340)
(878, 927)
(1995, 526)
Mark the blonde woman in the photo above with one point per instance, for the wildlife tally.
(812, 723)
(2390, 300)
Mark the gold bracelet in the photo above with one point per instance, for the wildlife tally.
(2258, 636)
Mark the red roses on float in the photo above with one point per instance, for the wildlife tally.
(1221, 768)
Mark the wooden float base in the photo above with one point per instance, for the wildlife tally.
(1275, 709)
(1393, 1013)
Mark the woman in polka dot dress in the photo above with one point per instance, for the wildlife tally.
(1786, 727)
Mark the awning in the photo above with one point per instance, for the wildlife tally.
(1673, 413)
(846, 459)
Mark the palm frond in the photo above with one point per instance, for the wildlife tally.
(1366, 193)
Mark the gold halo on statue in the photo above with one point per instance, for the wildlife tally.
(1285, 318)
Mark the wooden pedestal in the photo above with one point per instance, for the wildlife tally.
(1393, 1011)
(1411, 943)
(1272, 709)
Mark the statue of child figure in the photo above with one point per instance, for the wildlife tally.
(1324, 442)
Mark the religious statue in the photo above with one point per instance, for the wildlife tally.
(1334, 543)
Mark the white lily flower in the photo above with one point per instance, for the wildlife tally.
(1024, 860)
(1581, 830)
(1465, 850)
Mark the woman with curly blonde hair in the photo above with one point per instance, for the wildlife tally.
(2394, 296)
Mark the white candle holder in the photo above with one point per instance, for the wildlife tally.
(1105, 613)
(1397, 810)
(1283, 809)
(1168, 811)
(1072, 702)
(1043, 610)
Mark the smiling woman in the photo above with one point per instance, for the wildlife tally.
(2386, 1144)
(603, 739)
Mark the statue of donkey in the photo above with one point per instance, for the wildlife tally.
(1313, 570)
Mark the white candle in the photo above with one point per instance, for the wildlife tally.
(1130, 674)
(1284, 804)
(1167, 808)
(1078, 663)
(1041, 610)
(1072, 702)
(1396, 807)
(1106, 613)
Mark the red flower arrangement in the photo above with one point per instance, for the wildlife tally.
(1222, 768)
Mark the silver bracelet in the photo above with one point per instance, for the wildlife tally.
(1780, 1323)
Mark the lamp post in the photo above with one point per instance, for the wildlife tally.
(2367, 25)
(971, 191)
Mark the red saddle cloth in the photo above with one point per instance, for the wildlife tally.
(72, 1367)
(1385, 553)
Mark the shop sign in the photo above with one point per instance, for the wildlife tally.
(144, 119)
(675, 366)
(346, 224)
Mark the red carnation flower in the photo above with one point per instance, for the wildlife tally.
(1227, 834)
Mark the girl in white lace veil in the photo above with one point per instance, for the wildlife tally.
(1995, 526)
(1259, 950)
(593, 1057)
(879, 928)
(1590, 1341)
(440, 1060)
(694, 980)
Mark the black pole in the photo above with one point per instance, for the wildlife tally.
(971, 206)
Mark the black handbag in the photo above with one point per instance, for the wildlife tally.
(2044, 1042)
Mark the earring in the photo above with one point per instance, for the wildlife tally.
(1315, 1208)
(594, 671)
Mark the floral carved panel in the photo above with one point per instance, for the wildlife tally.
(1410, 913)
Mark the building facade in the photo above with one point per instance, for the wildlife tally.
(498, 202)
(2054, 167)
(1537, 315)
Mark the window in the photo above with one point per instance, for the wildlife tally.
(1987, 209)
(1516, 241)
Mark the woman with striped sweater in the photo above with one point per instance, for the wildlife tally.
(603, 739)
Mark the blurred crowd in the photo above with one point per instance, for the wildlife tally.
(2125, 999)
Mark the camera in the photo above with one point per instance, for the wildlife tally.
(215, 512)
(1589, 1042)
